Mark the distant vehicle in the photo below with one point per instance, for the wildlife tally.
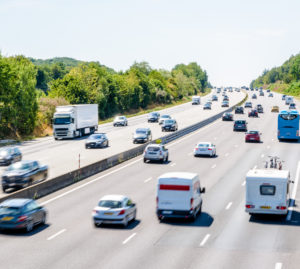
(239, 110)
(252, 136)
(289, 100)
(268, 90)
(218, 90)
(225, 104)
(179, 195)
(267, 191)
(270, 94)
(196, 100)
(9, 155)
(156, 152)
(292, 106)
(114, 209)
(205, 148)
(209, 101)
(214, 98)
(248, 104)
(75, 121)
(23, 174)
(253, 113)
(261, 93)
(283, 97)
(226, 98)
(288, 125)
(169, 125)
(153, 117)
(96, 141)
(120, 121)
(227, 116)
(254, 96)
(259, 108)
(252, 89)
(275, 109)
(142, 135)
(240, 125)
(164, 117)
(207, 106)
(19, 213)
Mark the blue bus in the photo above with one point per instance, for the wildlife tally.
(288, 125)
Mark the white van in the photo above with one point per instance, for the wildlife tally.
(178, 195)
(267, 191)
(196, 100)
(288, 100)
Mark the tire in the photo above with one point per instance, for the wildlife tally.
(134, 216)
(107, 144)
(125, 222)
(45, 176)
(4, 189)
(97, 225)
(55, 138)
(44, 219)
(145, 160)
(167, 159)
(29, 226)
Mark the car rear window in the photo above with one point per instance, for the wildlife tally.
(252, 132)
(240, 122)
(153, 149)
(267, 189)
(203, 145)
(9, 210)
(110, 204)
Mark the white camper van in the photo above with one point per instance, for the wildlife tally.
(196, 100)
(179, 195)
(267, 191)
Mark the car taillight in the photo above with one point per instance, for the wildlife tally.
(22, 218)
(122, 212)
(192, 200)
(209, 149)
(250, 206)
(196, 148)
(281, 207)
(95, 211)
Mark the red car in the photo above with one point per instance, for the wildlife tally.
(252, 136)
(253, 113)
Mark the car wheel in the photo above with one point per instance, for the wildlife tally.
(44, 219)
(167, 159)
(86, 147)
(4, 189)
(45, 176)
(107, 144)
(29, 226)
(97, 224)
(145, 160)
(125, 221)
(134, 216)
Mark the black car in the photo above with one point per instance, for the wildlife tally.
(10, 155)
(260, 108)
(169, 125)
(153, 117)
(21, 214)
(261, 93)
(227, 117)
(226, 98)
(248, 104)
(239, 110)
(240, 125)
(253, 113)
(207, 106)
(142, 135)
(96, 141)
(23, 174)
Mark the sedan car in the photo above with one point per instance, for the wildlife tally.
(10, 155)
(275, 109)
(253, 113)
(292, 106)
(169, 125)
(248, 104)
(227, 116)
(207, 106)
(114, 209)
(270, 94)
(283, 97)
(96, 141)
(225, 104)
(226, 98)
(240, 125)
(23, 174)
(120, 121)
(156, 152)
(142, 135)
(261, 93)
(214, 98)
(21, 214)
(254, 96)
(164, 117)
(252, 136)
(153, 117)
(205, 148)
(239, 110)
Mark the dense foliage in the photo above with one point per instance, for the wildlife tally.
(285, 78)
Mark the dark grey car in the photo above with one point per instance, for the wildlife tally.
(10, 155)
(96, 141)
(169, 125)
(22, 174)
(142, 135)
(240, 125)
(153, 117)
(21, 214)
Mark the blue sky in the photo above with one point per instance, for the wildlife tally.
(233, 40)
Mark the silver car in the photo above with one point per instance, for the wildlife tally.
(163, 118)
(156, 152)
(120, 121)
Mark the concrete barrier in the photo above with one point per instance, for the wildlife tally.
(49, 186)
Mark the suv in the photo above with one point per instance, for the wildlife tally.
(163, 118)
(153, 117)
(259, 108)
(248, 104)
(142, 135)
(156, 152)
(239, 110)
(10, 155)
(120, 121)
(254, 96)
(227, 116)
(240, 125)
(169, 125)
(253, 113)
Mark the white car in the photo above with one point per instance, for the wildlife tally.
(114, 209)
(120, 120)
(156, 152)
(205, 148)
(164, 117)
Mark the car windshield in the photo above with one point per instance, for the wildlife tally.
(240, 122)
(4, 152)
(62, 120)
(153, 149)
(153, 114)
(169, 121)
(253, 132)
(96, 136)
(18, 166)
(110, 204)
(165, 116)
(140, 131)
(120, 118)
(203, 145)
(9, 210)
(227, 114)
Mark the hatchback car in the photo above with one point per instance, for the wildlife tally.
(207, 106)
(252, 136)
(10, 155)
(215, 98)
(142, 135)
(226, 98)
(21, 214)
(275, 109)
(254, 96)
(96, 141)
(261, 93)
(283, 97)
(120, 121)
(259, 108)
(240, 125)
(248, 104)
(156, 152)
(153, 117)
(292, 106)
(114, 209)
(270, 94)
(227, 116)
(164, 117)
(205, 148)
(169, 125)
(268, 90)
(253, 113)
(225, 104)
(239, 110)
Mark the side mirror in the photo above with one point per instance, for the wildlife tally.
(202, 190)
(132, 205)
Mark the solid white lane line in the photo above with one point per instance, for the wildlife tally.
(148, 179)
(57, 234)
(226, 154)
(228, 206)
(173, 164)
(263, 155)
(214, 166)
(278, 265)
(128, 238)
(243, 184)
(291, 206)
(204, 240)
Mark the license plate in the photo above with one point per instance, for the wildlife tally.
(202, 149)
(108, 213)
(252, 138)
(167, 212)
(7, 218)
(265, 207)
(152, 153)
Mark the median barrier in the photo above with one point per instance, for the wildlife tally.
(54, 184)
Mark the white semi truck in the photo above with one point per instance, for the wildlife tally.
(75, 121)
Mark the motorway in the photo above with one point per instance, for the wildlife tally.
(223, 236)
(62, 156)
